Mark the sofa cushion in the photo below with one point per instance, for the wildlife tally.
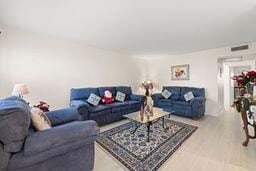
(119, 106)
(82, 93)
(133, 104)
(99, 108)
(184, 103)
(126, 90)
(197, 92)
(99, 113)
(165, 102)
(103, 89)
(174, 90)
(169, 101)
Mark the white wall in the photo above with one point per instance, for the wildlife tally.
(50, 67)
(203, 72)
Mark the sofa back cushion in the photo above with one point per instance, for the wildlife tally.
(126, 90)
(174, 90)
(82, 93)
(103, 89)
(197, 92)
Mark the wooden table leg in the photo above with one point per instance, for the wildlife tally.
(254, 125)
(245, 121)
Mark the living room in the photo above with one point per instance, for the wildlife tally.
(54, 47)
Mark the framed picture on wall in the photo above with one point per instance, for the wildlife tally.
(180, 72)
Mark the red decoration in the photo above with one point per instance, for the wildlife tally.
(43, 106)
(245, 79)
(107, 98)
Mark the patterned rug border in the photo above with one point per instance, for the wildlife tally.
(130, 124)
(175, 149)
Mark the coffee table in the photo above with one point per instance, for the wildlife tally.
(148, 120)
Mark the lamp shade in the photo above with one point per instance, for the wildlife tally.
(20, 89)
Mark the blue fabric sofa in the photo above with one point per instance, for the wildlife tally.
(105, 113)
(176, 102)
(67, 146)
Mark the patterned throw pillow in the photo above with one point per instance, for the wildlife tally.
(94, 99)
(189, 96)
(166, 94)
(39, 119)
(120, 96)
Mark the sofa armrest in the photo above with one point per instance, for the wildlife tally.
(78, 104)
(136, 97)
(82, 107)
(60, 137)
(157, 96)
(62, 116)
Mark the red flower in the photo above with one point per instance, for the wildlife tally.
(251, 73)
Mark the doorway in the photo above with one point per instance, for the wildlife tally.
(229, 67)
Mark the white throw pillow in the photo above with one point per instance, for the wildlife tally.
(120, 96)
(189, 96)
(39, 119)
(166, 94)
(94, 99)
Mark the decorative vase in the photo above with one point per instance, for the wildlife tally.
(149, 110)
(250, 89)
(147, 92)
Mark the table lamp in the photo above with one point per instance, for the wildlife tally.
(20, 90)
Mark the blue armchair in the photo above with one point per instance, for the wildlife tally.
(105, 113)
(176, 102)
(68, 146)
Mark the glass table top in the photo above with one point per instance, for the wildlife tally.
(144, 118)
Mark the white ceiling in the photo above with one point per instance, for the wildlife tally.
(137, 27)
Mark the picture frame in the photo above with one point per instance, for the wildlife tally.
(180, 72)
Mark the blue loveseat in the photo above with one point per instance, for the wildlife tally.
(68, 145)
(176, 102)
(105, 113)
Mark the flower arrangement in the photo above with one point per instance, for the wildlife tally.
(245, 80)
(147, 85)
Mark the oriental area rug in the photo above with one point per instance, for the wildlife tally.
(133, 150)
